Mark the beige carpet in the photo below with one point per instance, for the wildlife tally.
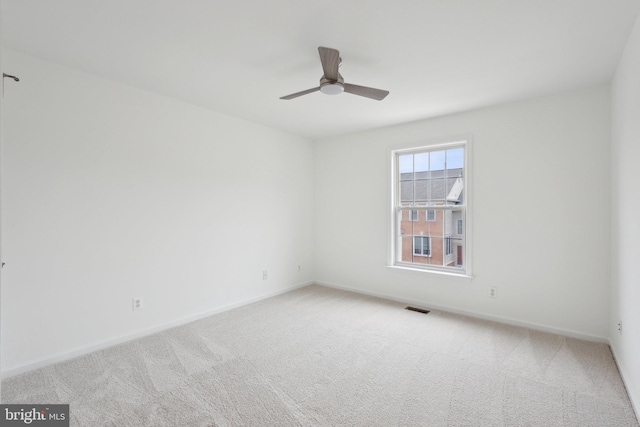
(318, 356)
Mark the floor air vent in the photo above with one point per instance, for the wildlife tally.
(419, 310)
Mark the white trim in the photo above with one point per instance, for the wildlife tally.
(415, 267)
(441, 143)
(467, 234)
(476, 315)
(467, 231)
(129, 337)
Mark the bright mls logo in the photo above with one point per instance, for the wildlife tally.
(34, 415)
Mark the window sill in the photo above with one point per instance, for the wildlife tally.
(422, 270)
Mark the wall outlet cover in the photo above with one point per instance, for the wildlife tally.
(137, 304)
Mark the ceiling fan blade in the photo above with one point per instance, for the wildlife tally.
(368, 92)
(297, 94)
(330, 59)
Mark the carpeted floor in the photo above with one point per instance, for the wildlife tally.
(322, 357)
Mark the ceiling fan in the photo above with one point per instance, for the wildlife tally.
(332, 83)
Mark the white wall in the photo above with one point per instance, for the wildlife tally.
(625, 301)
(541, 180)
(1, 257)
(110, 192)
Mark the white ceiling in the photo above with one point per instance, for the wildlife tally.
(238, 57)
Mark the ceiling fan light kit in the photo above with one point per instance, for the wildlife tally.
(332, 83)
(331, 87)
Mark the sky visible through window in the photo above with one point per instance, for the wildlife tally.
(432, 161)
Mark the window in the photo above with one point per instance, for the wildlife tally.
(422, 245)
(432, 180)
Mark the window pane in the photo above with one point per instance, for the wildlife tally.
(431, 211)
(454, 190)
(421, 190)
(435, 228)
(455, 158)
(405, 163)
(437, 190)
(457, 247)
(447, 223)
(437, 160)
(406, 191)
(421, 162)
(405, 251)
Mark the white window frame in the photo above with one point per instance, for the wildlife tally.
(434, 215)
(459, 227)
(422, 239)
(411, 215)
(466, 208)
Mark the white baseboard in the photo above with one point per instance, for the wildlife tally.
(478, 315)
(139, 334)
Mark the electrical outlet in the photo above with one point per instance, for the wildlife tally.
(493, 292)
(620, 326)
(264, 275)
(299, 268)
(137, 304)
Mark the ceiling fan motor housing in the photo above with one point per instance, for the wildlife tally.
(332, 87)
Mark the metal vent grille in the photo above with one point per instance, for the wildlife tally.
(419, 310)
